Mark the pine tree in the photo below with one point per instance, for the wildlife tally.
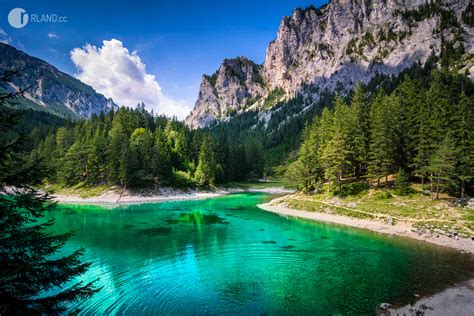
(464, 140)
(124, 165)
(425, 143)
(162, 168)
(118, 144)
(302, 171)
(411, 96)
(96, 159)
(335, 157)
(73, 164)
(180, 150)
(313, 147)
(205, 171)
(238, 169)
(440, 109)
(47, 154)
(255, 158)
(325, 131)
(140, 157)
(382, 137)
(402, 182)
(222, 156)
(442, 167)
(360, 128)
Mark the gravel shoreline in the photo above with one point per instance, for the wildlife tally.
(399, 229)
(455, 301)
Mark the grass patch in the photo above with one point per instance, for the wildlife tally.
(317, 206)
(258, 184)
(80, 190)
(469, 216)
(415, 207)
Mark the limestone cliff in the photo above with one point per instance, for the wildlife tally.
(335, 46)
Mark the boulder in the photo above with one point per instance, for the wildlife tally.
(385, 306)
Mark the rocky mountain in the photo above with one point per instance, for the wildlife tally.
(50, 89)
(332, 47)
(234, 87)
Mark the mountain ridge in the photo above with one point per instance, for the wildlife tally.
(332, 47)
(50, 89)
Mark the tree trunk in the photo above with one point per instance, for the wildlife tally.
(422, 183)
(340, 180)
(462, 189)
(359, 170)
(437, 189)
(386, 181)
(431, 186)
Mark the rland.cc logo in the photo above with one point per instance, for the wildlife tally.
(18, 18)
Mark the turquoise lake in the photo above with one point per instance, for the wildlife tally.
(225, 256)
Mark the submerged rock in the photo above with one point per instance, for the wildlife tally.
(158, 230)
(197, 219)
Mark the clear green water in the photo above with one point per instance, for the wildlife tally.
(225, 256)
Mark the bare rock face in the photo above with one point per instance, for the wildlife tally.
(236, 85)
(335, 46)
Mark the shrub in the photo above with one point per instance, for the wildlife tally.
(354, 188)
(402, 184)
(384, 195)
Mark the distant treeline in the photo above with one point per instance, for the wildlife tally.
(132, 148)
(424, 128)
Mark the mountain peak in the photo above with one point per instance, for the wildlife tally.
(232, 88)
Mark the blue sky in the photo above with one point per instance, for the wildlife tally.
(178, 41)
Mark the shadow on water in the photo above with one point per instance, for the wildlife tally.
(197, 218)
(154, 231)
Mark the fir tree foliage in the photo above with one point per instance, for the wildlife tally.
(32, 282)
(422, 127)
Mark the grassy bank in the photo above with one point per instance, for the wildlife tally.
(442, 216)
(264, 184)
(80, 190)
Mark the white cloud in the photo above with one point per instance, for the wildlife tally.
(4, 38)
(118, 74)
(53, 36)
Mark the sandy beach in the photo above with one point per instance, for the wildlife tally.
(162, 195)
